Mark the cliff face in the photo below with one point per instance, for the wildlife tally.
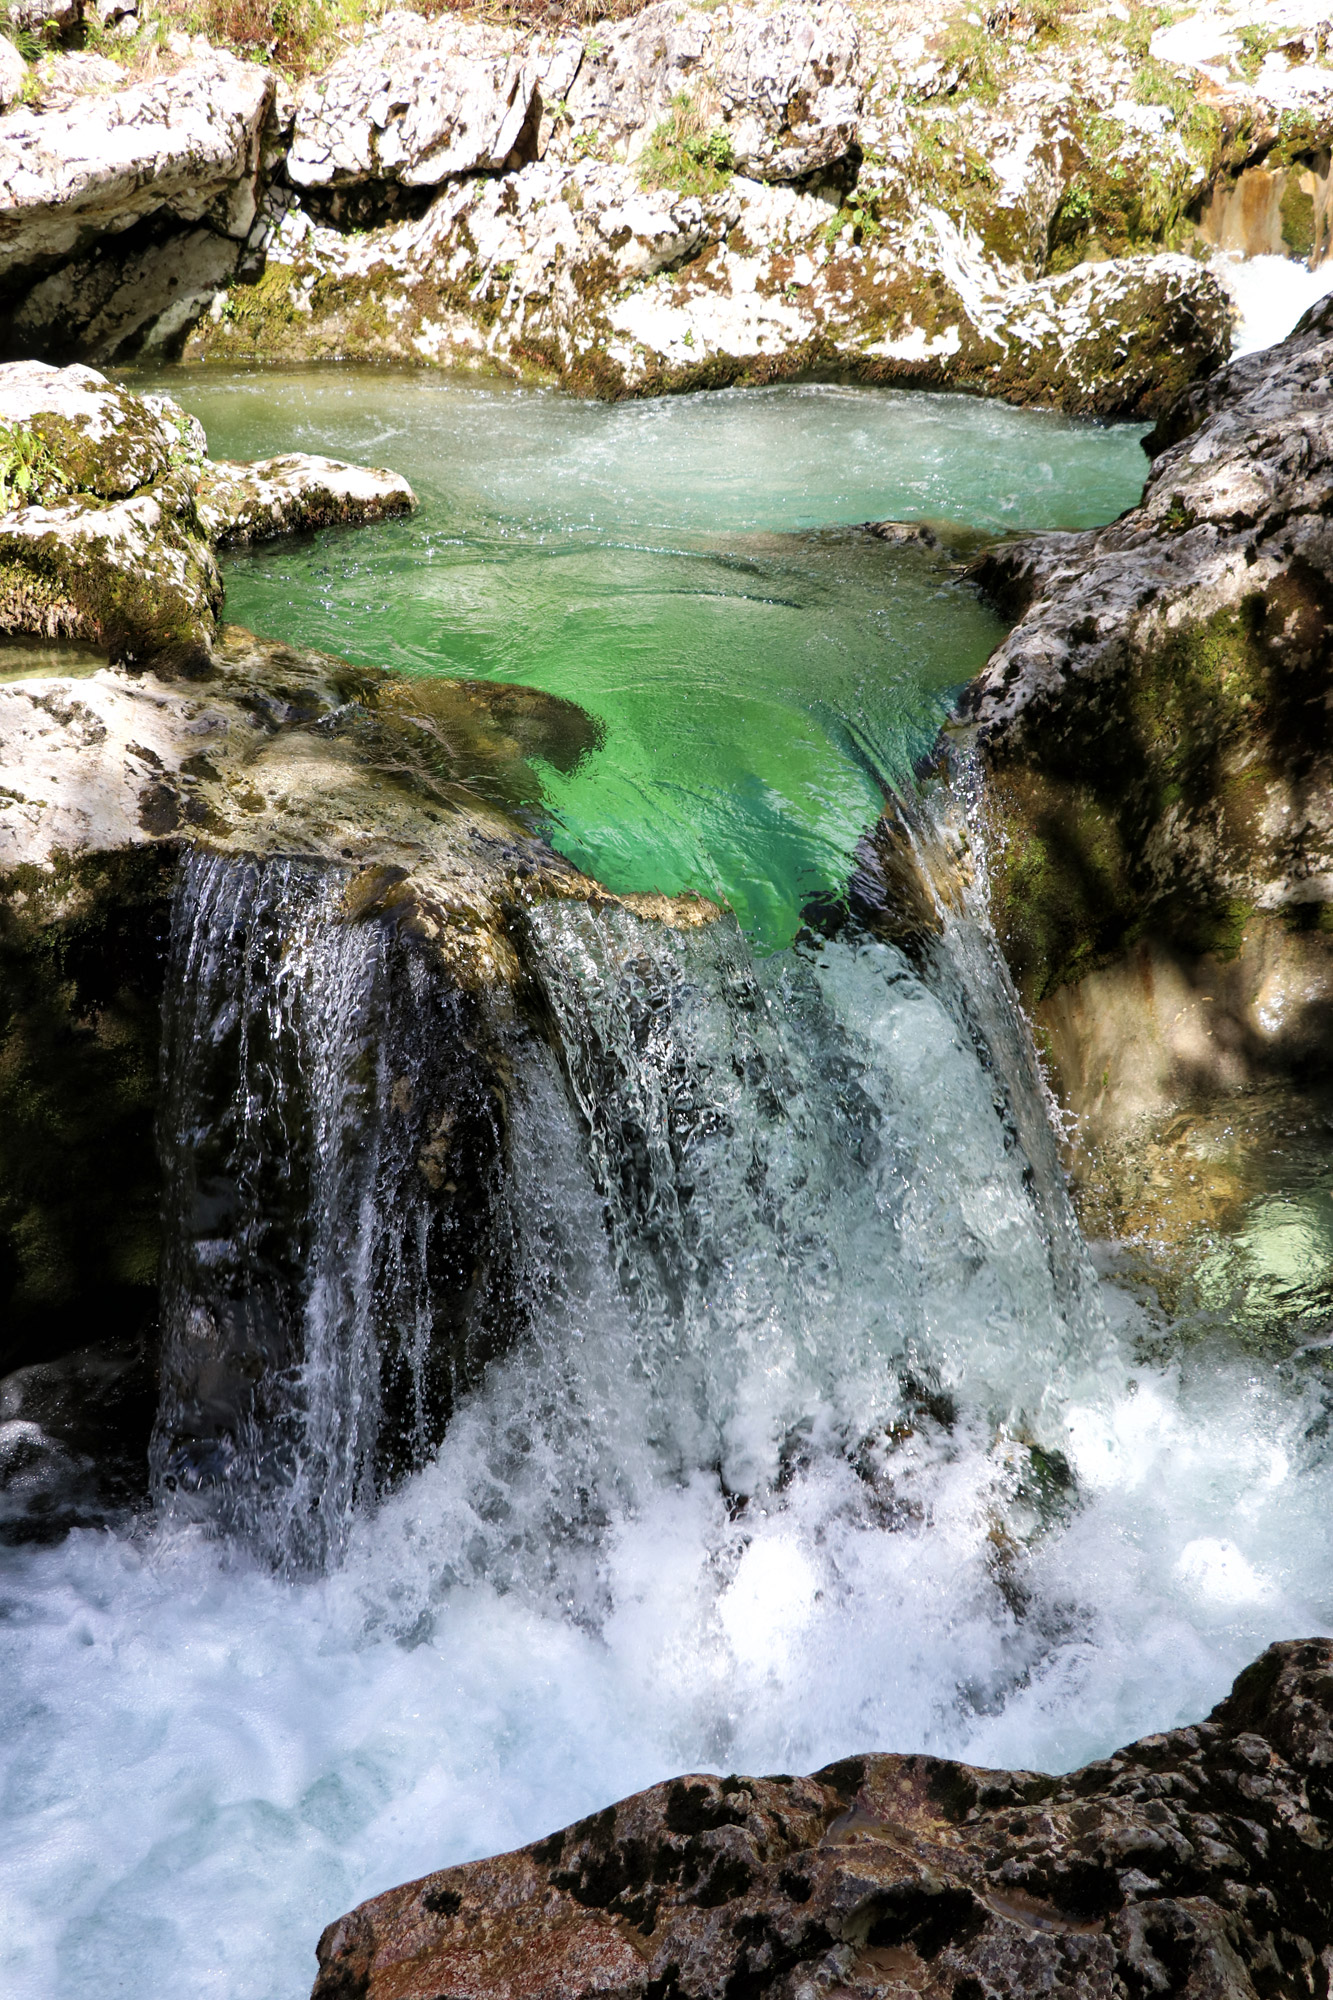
(688, 197)
(1193, 1864)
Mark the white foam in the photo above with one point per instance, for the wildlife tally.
(1270, 295)
(201, 1763)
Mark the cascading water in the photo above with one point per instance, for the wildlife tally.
(312, 1088)
(814, 1200)
(696, 1364)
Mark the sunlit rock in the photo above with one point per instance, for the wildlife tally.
(416, 102)
(1159, 770)
(111, 507)
(184, 146)
(1187, 1863)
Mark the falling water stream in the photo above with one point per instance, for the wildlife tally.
(810, 1426)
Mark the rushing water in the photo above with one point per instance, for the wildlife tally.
(813, 1429)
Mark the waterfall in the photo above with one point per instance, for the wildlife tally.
(329, 1138)
(808, 1192)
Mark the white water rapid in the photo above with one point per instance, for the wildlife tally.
(814, 1432)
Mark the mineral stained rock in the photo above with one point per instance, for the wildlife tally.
(1194, 1863)
(293, 494)
(692, 196)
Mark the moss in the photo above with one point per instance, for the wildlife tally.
(76, 588)
(1256, 43)
(1134, 808)
(1297, 213)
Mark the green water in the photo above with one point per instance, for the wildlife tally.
(683, 568)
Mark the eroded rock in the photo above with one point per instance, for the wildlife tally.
(187, 145)
(580, 273)
(417, 102)
(295, 493)
(1158, 754)
(1192, 1863)
(338, 797)
(784, 84)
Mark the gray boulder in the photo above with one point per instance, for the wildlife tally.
(416, 102)
(185, 147)
(295, 494)
(1156, 741)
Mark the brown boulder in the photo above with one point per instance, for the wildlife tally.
(1195, 1863)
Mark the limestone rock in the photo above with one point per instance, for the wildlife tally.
(115, 304)
(293, 494)
(1191, 1863)
(790, 88)
(410, 799)
(187, 145)
(39, 17)
(416, 102)
(111, 508)
(1156, 736)
(13, 74)
(100, 541)
(579, 272)
(785, 84)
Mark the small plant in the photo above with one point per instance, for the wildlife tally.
(685, 153)
(968, 47)
(1256, 45)
(28, 474)
(860, 211)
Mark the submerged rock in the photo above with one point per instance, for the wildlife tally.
(1155, 738)
(1191, 1863)
(111, 508)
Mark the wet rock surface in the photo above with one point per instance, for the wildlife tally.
(296, 493)
(1193, 1863)
(394, 820)
(1159, 768)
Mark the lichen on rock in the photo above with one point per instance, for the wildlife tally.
(111, 507)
